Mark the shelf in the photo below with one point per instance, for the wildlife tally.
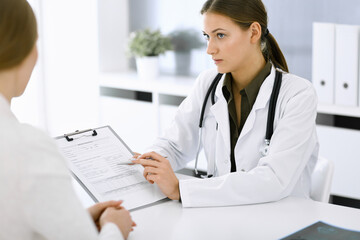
(164, 84)
(339, 110)
(181, 86)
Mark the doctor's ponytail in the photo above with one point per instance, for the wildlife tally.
(271, 51)
(244, 13)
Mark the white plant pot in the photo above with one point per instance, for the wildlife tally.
(147, 67)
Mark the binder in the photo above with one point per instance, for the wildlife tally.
(346, 65)
(323, 61)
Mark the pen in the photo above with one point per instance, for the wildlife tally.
(126, 163)
(130, 161)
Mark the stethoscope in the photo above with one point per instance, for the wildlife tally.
(270, 117)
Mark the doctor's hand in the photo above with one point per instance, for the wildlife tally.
(158, 169)
(136, 155)
(97, 209)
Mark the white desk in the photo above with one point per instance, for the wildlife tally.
(169, 220)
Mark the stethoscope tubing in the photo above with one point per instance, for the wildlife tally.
(270, 119)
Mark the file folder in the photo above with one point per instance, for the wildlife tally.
(346, 65)
(323, 64)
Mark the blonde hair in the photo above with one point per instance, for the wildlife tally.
(18, 32)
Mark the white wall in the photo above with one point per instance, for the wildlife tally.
(113, 19)
(62, 95)
(70, 63)
(30, 107)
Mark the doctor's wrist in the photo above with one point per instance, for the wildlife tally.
(176, 193)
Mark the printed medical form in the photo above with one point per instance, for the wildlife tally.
(95, 160)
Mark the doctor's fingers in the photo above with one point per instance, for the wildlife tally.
(147, 162)
(152, 178)
(153, 155)
(136, 155)
(151, 170)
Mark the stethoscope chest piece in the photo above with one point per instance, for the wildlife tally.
(265, 149)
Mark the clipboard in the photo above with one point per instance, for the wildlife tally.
(95, 158)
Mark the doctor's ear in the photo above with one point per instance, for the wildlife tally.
(255, 29)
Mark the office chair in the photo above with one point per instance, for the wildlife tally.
(321, 180)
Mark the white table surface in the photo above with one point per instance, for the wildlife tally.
(169, 220)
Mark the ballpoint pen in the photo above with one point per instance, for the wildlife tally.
(126, 163)
(129, 162)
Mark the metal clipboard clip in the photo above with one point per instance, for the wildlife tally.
(69, 139)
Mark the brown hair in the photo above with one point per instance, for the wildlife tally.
(18, 32)
(244, 13)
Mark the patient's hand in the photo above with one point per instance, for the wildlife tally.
(97, 209)
(121, 217)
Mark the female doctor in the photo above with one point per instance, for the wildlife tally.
(244, 170)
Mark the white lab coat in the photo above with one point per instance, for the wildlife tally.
(37, 200)
(285, 171)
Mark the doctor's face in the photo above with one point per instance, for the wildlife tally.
(227, 43)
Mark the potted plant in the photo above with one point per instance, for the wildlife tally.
(146, 45)
(184, 40)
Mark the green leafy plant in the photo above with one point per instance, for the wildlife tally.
(148, 43)
(186, 39)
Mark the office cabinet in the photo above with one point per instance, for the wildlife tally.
(335, 77)
(139, 110)
(342, 146)
(166, 116)
(132, 120)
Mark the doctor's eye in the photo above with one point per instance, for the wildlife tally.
(220, 35)
(206, 37)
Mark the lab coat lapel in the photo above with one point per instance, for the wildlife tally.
(221, 113)
(262, 99)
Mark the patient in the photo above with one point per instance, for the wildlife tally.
(37, 200)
